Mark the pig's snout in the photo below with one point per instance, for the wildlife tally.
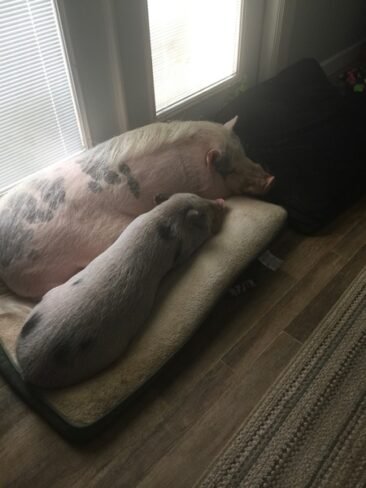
(262, 186)
(218, 210)
(258, 186)
(220, 202)
(250, 178)
(268, 183)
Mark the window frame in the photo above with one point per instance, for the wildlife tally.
(114, 94)
(123, 97)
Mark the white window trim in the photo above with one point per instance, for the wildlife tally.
(73, 75)
(277, 29)
(90, 39)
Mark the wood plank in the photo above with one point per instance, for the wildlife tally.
(186, 462)
(299, 251)
(309, 318)
(281, 315)
(229, 320)
(12, 410)
(352, 241)
(47, 460)
(191, 409)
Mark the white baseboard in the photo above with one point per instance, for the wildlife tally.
(341, 59)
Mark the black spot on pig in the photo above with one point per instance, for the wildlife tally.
(166, 231)
(125, 169)
(26, 206)
(95, 187)
(112, 178)
(41, 216)
(23, 206)
(15, 238)
(31, 323)
(33, 255)
(77, 282)
(132, 183)
(134, 186)
(52, 192)
(62, 354)
(95, 168)
(86, 343)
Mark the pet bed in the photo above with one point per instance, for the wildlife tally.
(310, 137)
(184, 299)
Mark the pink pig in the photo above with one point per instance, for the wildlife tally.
(60, 219)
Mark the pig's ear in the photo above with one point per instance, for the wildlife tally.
(231, 123)
(196, 218)
(212, 157)
(160, 198)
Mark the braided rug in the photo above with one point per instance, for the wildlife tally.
(310, 429)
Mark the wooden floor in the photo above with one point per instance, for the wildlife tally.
(172, 433)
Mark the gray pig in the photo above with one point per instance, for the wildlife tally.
(82, 326)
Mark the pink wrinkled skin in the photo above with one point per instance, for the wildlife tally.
(59, 220)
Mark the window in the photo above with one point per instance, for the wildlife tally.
(131, 62)
(38, 117)
(194, 46)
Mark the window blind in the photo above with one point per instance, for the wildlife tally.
(194, 46)
(38, 118)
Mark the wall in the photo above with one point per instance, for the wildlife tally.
(323, 28)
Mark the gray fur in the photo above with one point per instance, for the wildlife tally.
(87, 323)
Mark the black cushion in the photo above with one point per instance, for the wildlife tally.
(300, 128)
